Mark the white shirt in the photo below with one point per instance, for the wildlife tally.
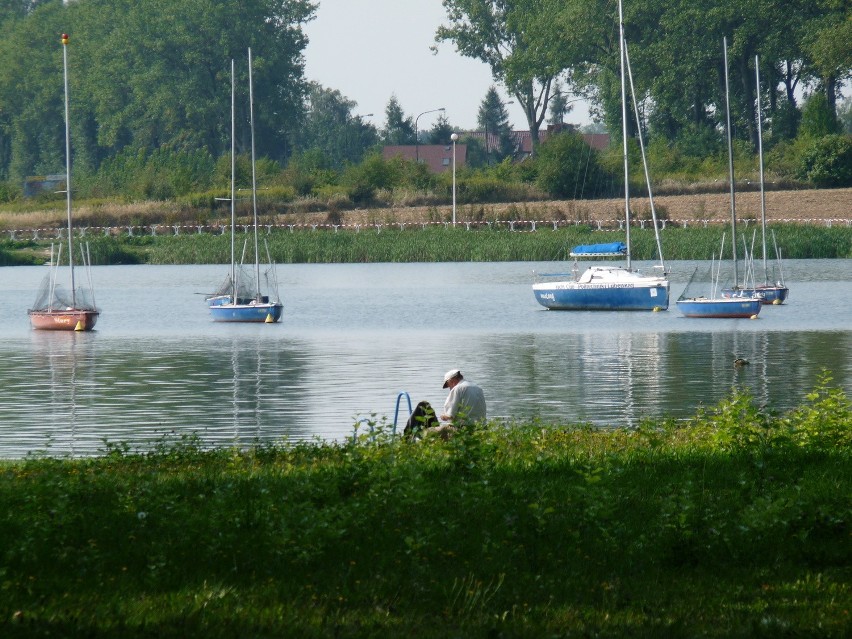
(466, 401)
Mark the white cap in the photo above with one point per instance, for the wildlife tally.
(450, 374)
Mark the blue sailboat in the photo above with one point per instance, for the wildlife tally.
(737, 302)
(776, 292)
(610, 288)
(239, 298)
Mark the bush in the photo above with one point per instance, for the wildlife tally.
(818, 120)
(828, 161)
(9, 192)
(568, 167)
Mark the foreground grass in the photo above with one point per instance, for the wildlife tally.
(735, 524)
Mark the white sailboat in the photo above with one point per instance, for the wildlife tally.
(611, 288)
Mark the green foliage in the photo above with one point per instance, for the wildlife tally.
(363, 180)
(399, 129)
(818, 120)
(160, 175)
(827, 161)
(146, 75)
(719, 527)
(9, 192)
(567, 167)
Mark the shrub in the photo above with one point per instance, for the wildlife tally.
(818, 120)
(828, 161)
(568, 167)
(9, 192)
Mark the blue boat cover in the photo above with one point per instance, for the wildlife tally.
(598, 249)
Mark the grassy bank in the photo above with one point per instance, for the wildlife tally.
(436, 244)
(736, 523)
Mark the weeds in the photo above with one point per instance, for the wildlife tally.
(733, 524)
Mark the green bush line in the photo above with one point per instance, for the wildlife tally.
(734, 523)
(439, 244)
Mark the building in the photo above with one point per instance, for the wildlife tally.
(37, 184)
(438, 158)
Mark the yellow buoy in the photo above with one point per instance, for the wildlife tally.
(776, 301)
(656, 309)
(269, 318)
(753, 316)
(80, 326)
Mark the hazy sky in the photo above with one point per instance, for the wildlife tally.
(372, 49)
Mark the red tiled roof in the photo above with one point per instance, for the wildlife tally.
(437, 157)
(598, 141)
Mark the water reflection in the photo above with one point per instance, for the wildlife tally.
(619, 378)
(353, 336)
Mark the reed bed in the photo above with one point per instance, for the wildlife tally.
(440, 244)
(735, 523)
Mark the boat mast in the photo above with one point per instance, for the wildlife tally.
(730, 164)
(233, 201)
(760, 155)
(624, 130)
(68, 169)
(254, 184)
(644, 160)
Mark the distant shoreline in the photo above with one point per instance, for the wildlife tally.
(811, 206)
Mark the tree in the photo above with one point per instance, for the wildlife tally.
(521, 40)
(826, 41)
(818, 119)
(828, 161)
(441, 130)
(844, 114)
(493, 118)
(399, 129)
(149, 74)
(331, 129)
(567, 167)
(559, 107)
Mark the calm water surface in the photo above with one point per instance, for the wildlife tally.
(356, 335)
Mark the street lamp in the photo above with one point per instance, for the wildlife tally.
(454, 137)
(416, 134)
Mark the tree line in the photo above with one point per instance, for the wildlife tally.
(150, 94)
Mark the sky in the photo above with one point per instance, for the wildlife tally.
(372, 49)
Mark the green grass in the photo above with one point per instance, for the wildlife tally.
(436, 244)
(735, 523)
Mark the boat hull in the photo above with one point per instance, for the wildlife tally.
(727, 307)
(64, 320)
(767, 294)
(265, 312)
(605, 289)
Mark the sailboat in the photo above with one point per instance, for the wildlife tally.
(769, 293)
(239, 299)
(738, 302)
(611, 288)
(54, 308)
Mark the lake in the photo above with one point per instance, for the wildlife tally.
(354, 336)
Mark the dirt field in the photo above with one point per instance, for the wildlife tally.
(781, 206)
(806, 206)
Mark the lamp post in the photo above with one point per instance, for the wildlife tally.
(454, 137)
(417, 135)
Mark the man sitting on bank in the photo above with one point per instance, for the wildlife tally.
(465, 404)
